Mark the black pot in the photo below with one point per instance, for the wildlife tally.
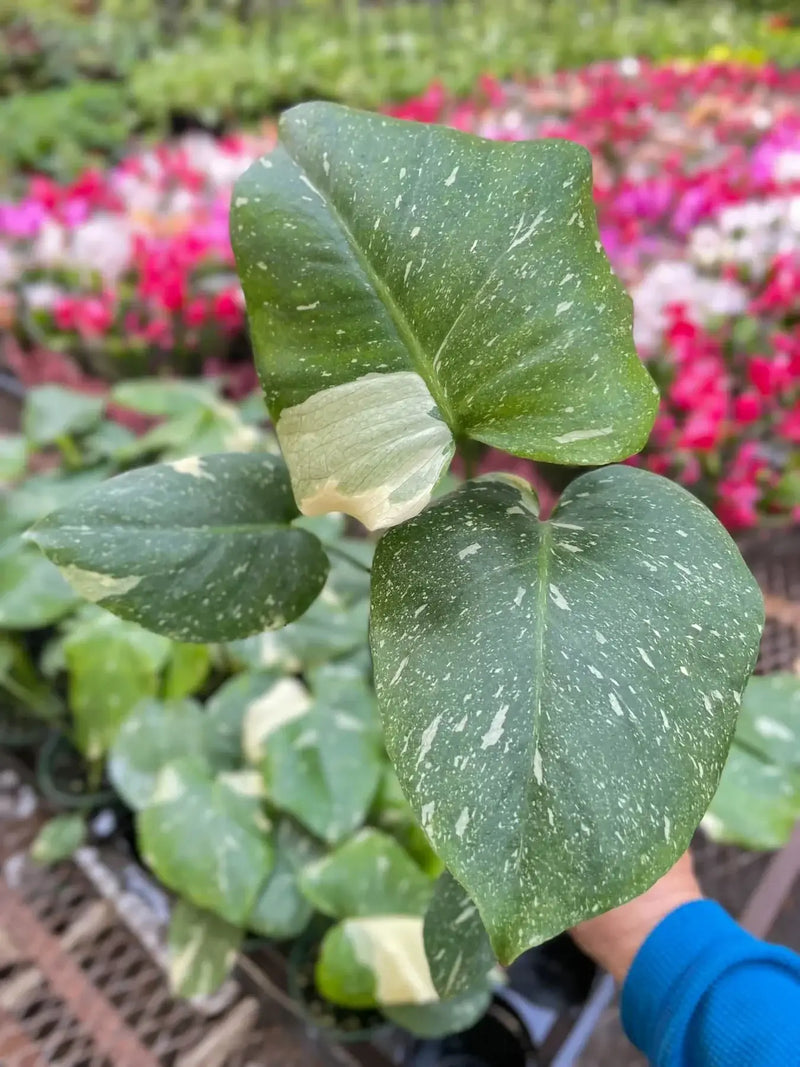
(499, 1039)
(61, 775)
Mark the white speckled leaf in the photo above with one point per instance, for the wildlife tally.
(456, 943)
(202, 950)
(757, 803)
(371, 245)
(769, 722)
(321, 758)
(206, 841)
(200, 549)
(368, 875)
(559, 697)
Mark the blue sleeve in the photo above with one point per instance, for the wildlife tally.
(703, 993)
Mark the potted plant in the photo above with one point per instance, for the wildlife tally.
(557, 692)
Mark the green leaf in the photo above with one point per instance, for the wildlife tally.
(559, 697)
(40, 494)
(51, 411)
(415, 248)
(202, 950)
(446, 1017)
(281, 911)
(769, 721)
(188, 668)
(153, 735)
(321, 760)
(391, 812)
(32, 592)
(367, 875)
(199, 550)
(206, 841)
(225, 715)
(456, 943)
(13, 457)
(757, 803)
(164, 396)
(108, 676)
(58, 839)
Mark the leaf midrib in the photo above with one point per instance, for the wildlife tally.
(423, 362)
(542, 573)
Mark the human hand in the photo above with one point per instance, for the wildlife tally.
(613, 939)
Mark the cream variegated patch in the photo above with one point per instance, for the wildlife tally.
(94, 586)
(392, 947)
(373, 448)
(283, 702)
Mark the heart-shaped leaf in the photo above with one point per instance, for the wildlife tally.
(202, 950)
(559, 696)
(321, 758)
(153, 735)
(206, 841)
(199, 550)
(421, 254)
(456, 943)
(281, 910)
(368, 875)
(226, 711)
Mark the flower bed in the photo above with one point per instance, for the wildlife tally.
(697, 172)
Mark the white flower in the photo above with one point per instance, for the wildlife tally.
(102, 245)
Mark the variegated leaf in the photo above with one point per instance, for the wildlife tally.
(559, 696)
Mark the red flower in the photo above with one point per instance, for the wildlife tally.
(747, 408)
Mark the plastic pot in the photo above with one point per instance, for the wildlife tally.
(61, 776)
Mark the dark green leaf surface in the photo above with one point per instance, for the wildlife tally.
(559, 697)
(369, 245)
(153, 735)
(205, 841)
(456, 943)
(199, 550)
(202, 950)
(368, 875)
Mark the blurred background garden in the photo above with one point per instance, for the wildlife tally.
(123, 341)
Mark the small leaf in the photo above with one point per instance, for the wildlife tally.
(225, 715)
(13, 457)
(367, 875)
(202, 950)
(519, 663)
(165, 397)
(321, 760)
(456, 943)
(153, 735)
(473, 265)
(377, 961)
(58, 839)
(756, 805)
(210, 556)
(445, 1017)
(281, 911)
(769, 720)
(51, 411)
(188, 668)
(32, 592)
(108, 676)
(205, 841)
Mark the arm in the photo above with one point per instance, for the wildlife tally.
(698, 991)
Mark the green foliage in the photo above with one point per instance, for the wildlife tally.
(58, 839)
(202, 950)
(456, 943)
(758, 800)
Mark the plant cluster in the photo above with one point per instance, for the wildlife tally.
(557, 692)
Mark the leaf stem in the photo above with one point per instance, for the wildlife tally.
(337, 551)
